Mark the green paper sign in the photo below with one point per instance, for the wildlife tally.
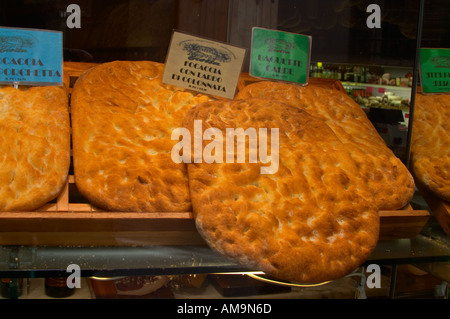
(280, 55)
(435, 70)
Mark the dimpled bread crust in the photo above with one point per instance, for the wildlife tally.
(430, 143)
(390, 181)
(35, 146)
(311, 221)
(122, 120)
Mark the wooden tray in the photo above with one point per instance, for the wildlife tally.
(72, 220)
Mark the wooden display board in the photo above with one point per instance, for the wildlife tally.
(72, 220)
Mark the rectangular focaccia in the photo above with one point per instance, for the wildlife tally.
(35, 146)
(430, 143)
(311, 220)
(391, 183)
(122, 120)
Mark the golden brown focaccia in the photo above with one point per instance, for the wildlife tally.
(122, 121)
(35, 146)
(391, 182)
(312, 220)
(430, 143)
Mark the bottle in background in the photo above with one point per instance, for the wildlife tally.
(312, 71)
(319, 70)
(56, 287)
(339, 73)
(11, 288)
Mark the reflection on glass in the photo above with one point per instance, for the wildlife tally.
(110, 29)
(372, 52)
(374, 61)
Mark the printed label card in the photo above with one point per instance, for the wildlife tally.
(280, 55)
(203, 65)
(435, 70)
(31, 56)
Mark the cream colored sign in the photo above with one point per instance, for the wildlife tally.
(203, 65)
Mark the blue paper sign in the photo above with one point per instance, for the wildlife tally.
(30, 56)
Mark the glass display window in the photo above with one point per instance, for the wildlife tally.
(367, 48)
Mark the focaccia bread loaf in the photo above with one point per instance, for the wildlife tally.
(311, 220)
(430, 143)
(391, 182)
(122, 120)
(35, 146)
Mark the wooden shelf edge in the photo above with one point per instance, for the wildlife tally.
(396, 224)
(439, 207)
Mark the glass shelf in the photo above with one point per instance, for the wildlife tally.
(23, 261)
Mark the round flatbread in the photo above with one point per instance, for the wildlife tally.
(311, 219)
(122, 120)
(430, 143)
(391, 183)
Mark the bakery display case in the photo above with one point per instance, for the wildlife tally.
(160, 253)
